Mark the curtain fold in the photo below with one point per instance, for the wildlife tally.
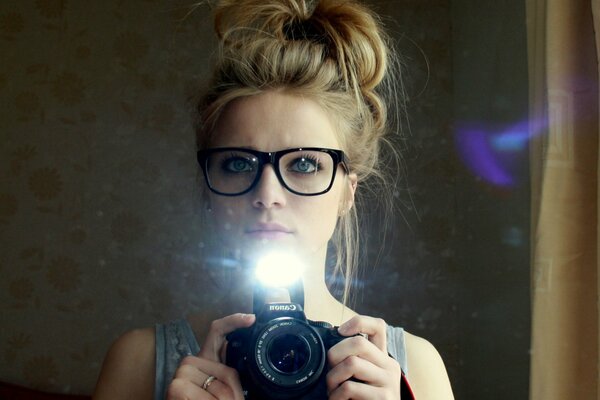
(563, 49)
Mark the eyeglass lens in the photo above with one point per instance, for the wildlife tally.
(303, 171)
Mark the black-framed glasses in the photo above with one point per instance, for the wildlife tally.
(305, 171)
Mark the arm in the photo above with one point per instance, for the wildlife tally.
(128, 369)
(427, 374)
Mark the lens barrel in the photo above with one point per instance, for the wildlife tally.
(282, 356)
(288, 353)
(289, 356)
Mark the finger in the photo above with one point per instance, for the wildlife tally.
(357, 368)
(211, 349)
(375, 328)
(190, 373)
(184, 389)
(360, 347)
(220, 390)
(197, 370)
(355, 391)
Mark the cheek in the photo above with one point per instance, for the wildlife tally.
(320, 219)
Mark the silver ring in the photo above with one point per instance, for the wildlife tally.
(208, 381)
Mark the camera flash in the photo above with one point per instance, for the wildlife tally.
(278, 269)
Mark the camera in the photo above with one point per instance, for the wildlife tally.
(283, 354)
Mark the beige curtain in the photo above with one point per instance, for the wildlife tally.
(563, 37)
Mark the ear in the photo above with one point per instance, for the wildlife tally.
(348, 202)
(353, 182)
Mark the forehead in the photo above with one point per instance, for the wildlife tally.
(273, 121)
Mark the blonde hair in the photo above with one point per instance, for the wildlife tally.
(334, 52)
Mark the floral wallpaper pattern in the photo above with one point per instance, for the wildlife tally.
(98, 212)
(89, 219)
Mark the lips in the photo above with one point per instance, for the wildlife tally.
(268, 231)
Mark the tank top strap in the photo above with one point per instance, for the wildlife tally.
(174, 341)
(397, 346)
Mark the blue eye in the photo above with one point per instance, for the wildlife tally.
(305, 165)
(238, 164)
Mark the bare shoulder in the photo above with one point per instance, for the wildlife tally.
(426, 370)
(128, 369)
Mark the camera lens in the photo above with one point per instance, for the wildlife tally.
(288, 353)
(286, 359)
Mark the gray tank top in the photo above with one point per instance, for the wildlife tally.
(176, 340)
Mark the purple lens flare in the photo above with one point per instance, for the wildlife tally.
(495, 155)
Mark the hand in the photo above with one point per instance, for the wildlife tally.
(193, 372)
(376, 374)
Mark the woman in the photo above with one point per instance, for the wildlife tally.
(293, 123)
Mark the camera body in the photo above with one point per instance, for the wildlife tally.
(283, 354)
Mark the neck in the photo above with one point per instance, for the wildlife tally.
(319, 303)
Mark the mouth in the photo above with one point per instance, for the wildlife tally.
(268, 231)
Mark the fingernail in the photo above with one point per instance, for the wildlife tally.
(248, 316)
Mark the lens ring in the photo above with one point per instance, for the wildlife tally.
(288, 353)
(298, 376)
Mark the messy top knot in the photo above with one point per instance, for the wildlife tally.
(331, 51)
(349, 32)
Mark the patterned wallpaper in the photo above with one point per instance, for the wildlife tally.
(99, 220)
(98, 180)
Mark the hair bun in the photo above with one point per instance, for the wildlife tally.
(247, 18)
(304, 30)
(350, 32)
(355, 38)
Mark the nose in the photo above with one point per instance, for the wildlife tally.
(269, 192)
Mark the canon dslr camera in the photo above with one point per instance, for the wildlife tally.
(282, 355)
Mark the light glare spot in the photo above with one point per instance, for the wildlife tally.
(278, 269)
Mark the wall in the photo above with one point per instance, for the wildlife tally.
(98, 207)
(491, 101)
